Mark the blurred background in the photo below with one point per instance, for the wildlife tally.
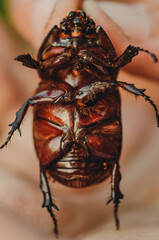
(83, 214)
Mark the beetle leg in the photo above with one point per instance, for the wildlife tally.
(28, 61)
(48, 203)
(45, 96)
(96, 61)
(56, 62)
(90, 92)
(116, 195)
(139, 92)
(129, 53)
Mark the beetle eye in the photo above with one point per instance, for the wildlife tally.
(71, 14)
(83, 14)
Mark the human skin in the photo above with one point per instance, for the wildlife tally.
(83, 214)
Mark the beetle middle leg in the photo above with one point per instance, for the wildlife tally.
(48, 203)
(116, 194)
(45, 96)
(90, 92)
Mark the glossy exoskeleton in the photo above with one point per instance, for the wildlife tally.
(77, 112)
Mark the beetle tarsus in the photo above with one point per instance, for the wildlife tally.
(44, 96)
(8, 138)
(116, 205)
(15, 126)
(117, 223)
(116, 194)
(48, 203)
(49, 208)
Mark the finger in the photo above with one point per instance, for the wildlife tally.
(126, 24)
(33, 19)
(14, 83)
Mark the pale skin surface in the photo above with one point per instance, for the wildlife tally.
(83, 214)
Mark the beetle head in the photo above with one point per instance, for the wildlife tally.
(77, 24)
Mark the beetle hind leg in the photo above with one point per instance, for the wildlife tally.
(48, 203)
(116, 194)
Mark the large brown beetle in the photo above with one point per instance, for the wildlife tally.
(77, 115)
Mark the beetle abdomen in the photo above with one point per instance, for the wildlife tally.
(79, 144)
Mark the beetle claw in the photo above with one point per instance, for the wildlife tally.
(19, 131)
(54, 206)
(15, 127)
(109, 200)
(10, 134)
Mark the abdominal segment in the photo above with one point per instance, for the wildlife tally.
(80, 157)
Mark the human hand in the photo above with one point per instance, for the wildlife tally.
(82, 212)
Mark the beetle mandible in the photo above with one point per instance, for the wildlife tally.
(77, 112)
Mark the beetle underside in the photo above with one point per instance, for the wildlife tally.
(77, 120)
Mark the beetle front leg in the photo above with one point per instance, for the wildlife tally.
(45, 96)
(116, 195)
(28, 61)
(48, 203)
(129, 53)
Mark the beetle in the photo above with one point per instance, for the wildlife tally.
(77, 124)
